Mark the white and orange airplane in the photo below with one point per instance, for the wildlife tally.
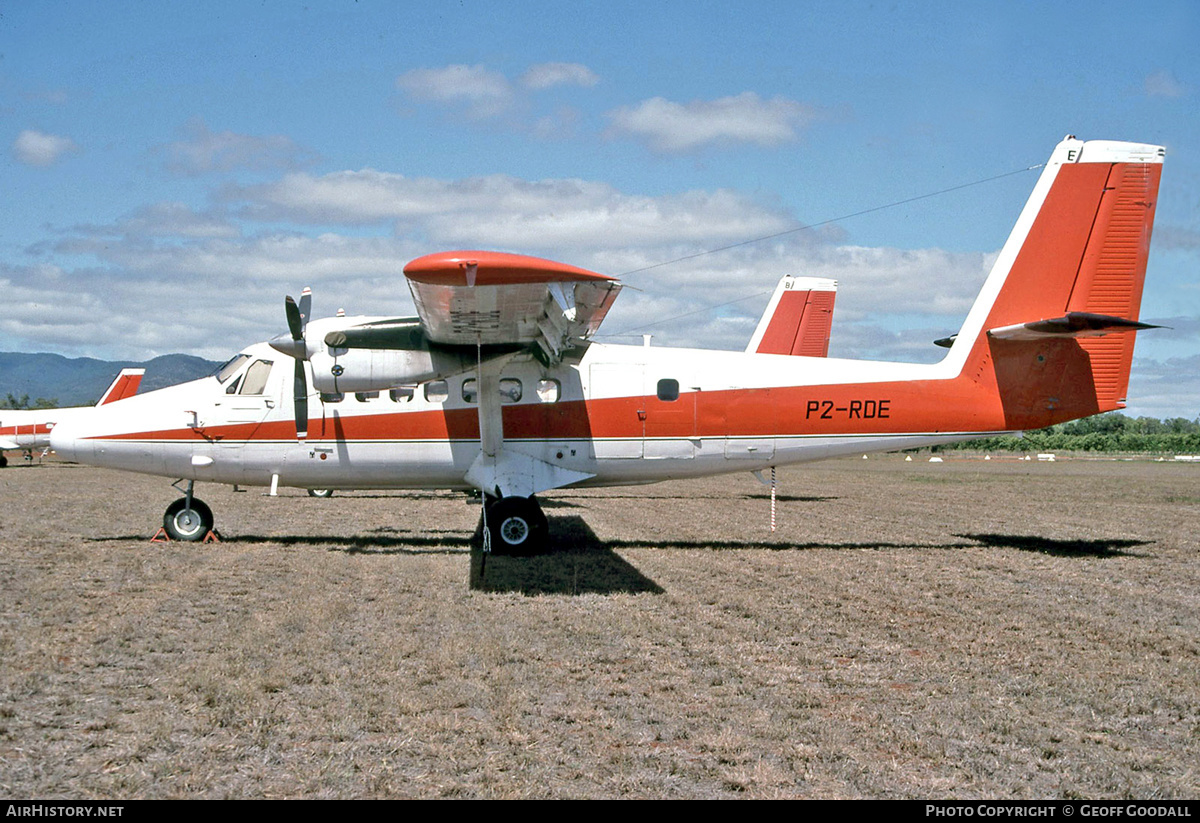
(29, 429)
(498, 385)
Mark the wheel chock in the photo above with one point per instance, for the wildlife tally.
(161, 536)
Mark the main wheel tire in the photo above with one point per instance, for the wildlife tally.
(3, 461)
(190, 525)
(517, 525)
(320, 492)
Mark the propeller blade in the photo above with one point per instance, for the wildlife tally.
(297, 319)
(300, 390)
(305, 308)
(294, 319)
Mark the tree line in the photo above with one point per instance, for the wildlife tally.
(11, 401)
(1111, 432)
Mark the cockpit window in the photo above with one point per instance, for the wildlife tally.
(231, 366)
(256, 377)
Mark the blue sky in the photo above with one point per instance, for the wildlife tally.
(172, 170)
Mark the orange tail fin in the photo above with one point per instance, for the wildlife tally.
(1053, 329)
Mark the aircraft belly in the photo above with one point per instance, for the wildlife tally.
(349, 464)
(145, 456)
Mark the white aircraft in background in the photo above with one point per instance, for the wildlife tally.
(29, 429)
(498, 386)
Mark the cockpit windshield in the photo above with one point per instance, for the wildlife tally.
(230, 368)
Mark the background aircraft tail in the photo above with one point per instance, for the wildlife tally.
(797, 319)
(1053, 328)
(125, 385)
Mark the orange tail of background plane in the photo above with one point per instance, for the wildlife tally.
(125, 385)
(797, 319)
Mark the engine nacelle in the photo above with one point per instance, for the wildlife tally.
(364, 354)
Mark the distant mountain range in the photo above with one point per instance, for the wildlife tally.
(80, 381)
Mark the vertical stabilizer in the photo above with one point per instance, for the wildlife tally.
(1053, 329)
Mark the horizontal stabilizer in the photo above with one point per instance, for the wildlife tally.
(1072, 324)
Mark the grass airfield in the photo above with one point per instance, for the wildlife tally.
(957, 630)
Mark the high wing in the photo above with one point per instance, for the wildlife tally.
(491, 300)
(469, 298)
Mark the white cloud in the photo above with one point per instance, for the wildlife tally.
(548, 75)
(1163, 84)
(484, 93)
(668, 126)
(164, 220)
(36, 148)
(499, 210)
(1165, 388)
(203, 151)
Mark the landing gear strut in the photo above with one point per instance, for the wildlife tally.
(517, 525)
(188, 518)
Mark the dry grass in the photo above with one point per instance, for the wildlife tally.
(912, 630)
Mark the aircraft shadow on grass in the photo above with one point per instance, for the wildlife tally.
(1059, 548)
(581, 563)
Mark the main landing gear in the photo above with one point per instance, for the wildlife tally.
(188, 518)
(516, 525)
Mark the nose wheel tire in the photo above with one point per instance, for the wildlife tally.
(320, 492)
(517, 526)
(188, 524)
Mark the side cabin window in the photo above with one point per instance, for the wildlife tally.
(668, 389)
(436, 391)
(549, 390)
(256, 377)
(402, 394)
(510, 390)
(364, 396)
(332, 397)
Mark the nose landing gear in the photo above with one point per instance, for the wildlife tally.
(188, 522)
(188, 519)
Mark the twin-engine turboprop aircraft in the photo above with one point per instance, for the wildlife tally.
(29, 429)
(498, 385)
